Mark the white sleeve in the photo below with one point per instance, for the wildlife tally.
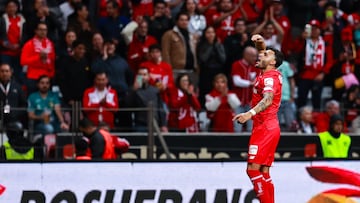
(239, 82)
(233, 100)
(212, 103)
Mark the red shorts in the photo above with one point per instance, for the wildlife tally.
(263, 142)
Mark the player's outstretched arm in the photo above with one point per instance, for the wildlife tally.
(261, 106)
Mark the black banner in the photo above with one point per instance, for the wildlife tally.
(195, 147)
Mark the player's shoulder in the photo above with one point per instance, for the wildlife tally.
(272, 73)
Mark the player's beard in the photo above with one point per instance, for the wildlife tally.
(260, 65)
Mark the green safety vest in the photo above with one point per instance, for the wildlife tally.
(11, 154)
(335, 147)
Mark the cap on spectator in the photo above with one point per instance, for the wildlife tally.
(315, 23)
(346, 34)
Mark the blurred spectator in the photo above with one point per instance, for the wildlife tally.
(235, 44)
(17, 147)
(97, 48)
(67, 8)
(243, 76)
(351, 107)
(74, 74)
(208, 8)
(100, 102)
(12, 97)
(253, 9)
(335, 143)
(184, 105)
(323, 118)
(65, 47)
(138, 49)
(102, 7)
(178, 45)
(287, 109)
(174, 6)
(42, 13)
(112, 24)
(355, 124)
(121, 145)
(281, 17)
(38, 57)
(211, 59)
(81, 149)
(100, 141)
(120, 79)
(224, 19)
(141, 8)
(197, 21)
(161, 75)
(44, 109)
(271, 30)
(220, 105)
(306, 9)
(160, 21)
(116, 68)
(142, 94)
(12, 37)
(79, 21)
(342, 72)
(311, 73)
(306, 121)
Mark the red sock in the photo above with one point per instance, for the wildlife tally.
(269, 186)
(260, 186)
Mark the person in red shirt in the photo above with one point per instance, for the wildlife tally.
(322, 119)
(100, 101)
(184, 105)
(243, 75)
(224, 19)
(38, 57)
(220, 105)
(12, 37)
(139, 46)
(265, 135)
(161, 74)
(142, 8)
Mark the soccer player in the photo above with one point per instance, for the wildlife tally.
(266, 130)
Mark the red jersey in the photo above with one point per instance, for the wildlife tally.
(269, 81)
(220, 110)
(183, 109)
(138, 50)
(98, 112)
(161, 72)
(144, 8)
(209, 12)
(245, 71)
(226, 26)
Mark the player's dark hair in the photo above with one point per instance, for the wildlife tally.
(279, 57)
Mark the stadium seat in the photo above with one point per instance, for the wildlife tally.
(68, 151)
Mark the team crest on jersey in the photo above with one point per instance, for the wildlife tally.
(269, 82)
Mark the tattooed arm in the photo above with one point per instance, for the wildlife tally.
(261, 106)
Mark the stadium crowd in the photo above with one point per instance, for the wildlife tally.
(193, 59)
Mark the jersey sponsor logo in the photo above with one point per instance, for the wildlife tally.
(253, 149)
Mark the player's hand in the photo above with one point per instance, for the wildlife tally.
(259, 42)
(242, 117)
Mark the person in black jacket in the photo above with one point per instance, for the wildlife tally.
(12, 98)
(140, 96)
(74, 74)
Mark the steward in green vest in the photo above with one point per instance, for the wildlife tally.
(334, 143)
(17, 147)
